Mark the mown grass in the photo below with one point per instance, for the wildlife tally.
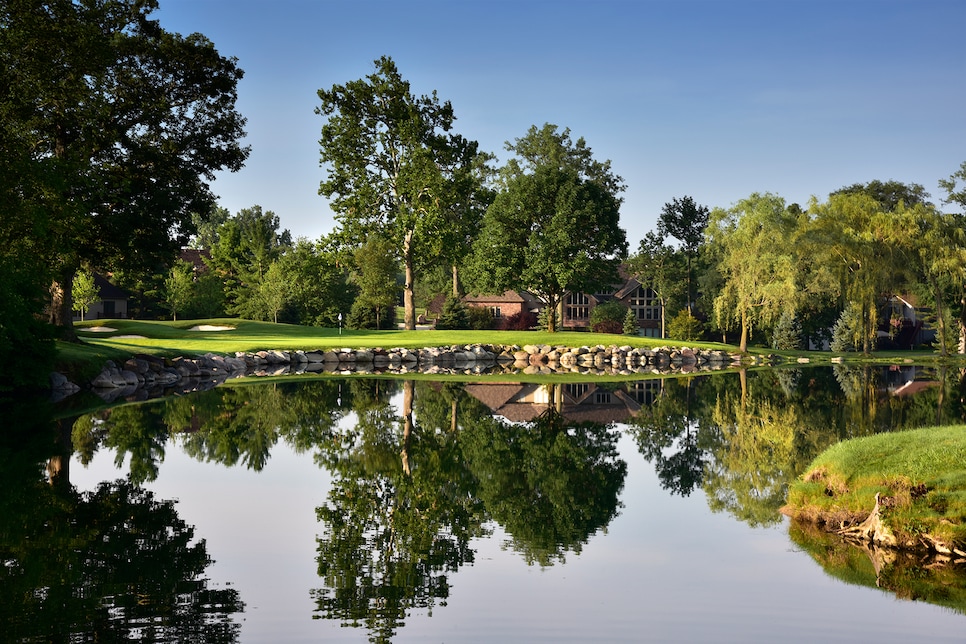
(919, 474)
(177, 338)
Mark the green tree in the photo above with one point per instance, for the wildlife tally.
(395, 169)
(754, 241)
(274, 291)
(319, 284)
(856, 239)
(375, 275)
(685, 221)
(86, 292)
(248, 244)
(179, 288)
(554, 227)
(658, 267)
(125, 124)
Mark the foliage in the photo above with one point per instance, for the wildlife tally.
(757, 260)
(395, 169)
(117, 126)
(86, 293)
(479, 318)
(375, 276)
(179, 288)
(363, 316)
(554, 226)
(454, 315)
(787, 334)
(849, 331)
(685, 221)
(319, 284)
(522, 321)
(684, 326)
(608, 317)
(26, 342)
(630, 323)
(659, 267)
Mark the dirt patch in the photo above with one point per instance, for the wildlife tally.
(211, 327)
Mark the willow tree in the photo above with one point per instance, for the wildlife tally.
(125, 124)
(753, 241)
(864, 245)
(394, 168)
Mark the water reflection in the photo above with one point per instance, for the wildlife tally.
(422, 469)
(108, 565)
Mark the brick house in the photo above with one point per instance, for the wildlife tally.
(642, 300)
(506, 304)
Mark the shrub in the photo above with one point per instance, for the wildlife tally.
(608, 317)
(479, 318)
(453, 316)
(685, 326)
(362, 316)
(522, 321)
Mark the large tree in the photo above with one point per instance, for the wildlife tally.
(554, 226)
(125, 124)
(395, 169)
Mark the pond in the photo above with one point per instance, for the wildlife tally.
(373, 509)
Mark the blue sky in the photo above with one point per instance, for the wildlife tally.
(715, 100)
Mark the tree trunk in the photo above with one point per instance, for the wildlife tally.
(409, 296)
(743, 343)
(62, 305)
(456, 281)
(663, 323)
(409, 388)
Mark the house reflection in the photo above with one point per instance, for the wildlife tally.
(576, 401)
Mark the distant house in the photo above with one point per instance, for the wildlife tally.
(643, 301)
(197, 257)
(506, 304)
(577, 402)
(113, 302)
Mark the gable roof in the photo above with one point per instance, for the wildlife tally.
(107, 290)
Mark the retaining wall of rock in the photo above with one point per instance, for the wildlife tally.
(145, 376)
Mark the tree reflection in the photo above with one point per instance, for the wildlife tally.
(551, 484)
(399, 518)
(668, 434)
(232, 426)
(108, 565)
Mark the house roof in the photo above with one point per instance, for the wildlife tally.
(196, 257)
(107, 290)
(505, 297)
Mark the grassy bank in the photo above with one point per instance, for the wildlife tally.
(127, 337)
(919, 475)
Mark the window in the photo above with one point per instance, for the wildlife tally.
(496, 312)
(645, 304)
(602, 397)
(577, 306)
(645, 392)
(577, 390)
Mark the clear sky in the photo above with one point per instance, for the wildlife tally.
(714, 99)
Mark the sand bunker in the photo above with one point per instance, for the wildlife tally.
(128, 337)
(211, 327)
(98, 329)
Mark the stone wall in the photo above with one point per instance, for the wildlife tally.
(143, 376)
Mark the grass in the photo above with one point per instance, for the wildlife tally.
(177, 338)
(920, 476)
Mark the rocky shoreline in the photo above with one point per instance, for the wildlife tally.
(143, 376)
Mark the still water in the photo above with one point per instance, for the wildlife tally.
(420, 511)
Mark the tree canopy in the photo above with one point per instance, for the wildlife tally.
(394, 168)
(115, 127)
(554, 226)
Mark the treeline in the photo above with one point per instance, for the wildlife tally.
(832, 272)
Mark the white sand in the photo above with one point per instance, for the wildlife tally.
(98, 329)
(128, 337)
(211, 327)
